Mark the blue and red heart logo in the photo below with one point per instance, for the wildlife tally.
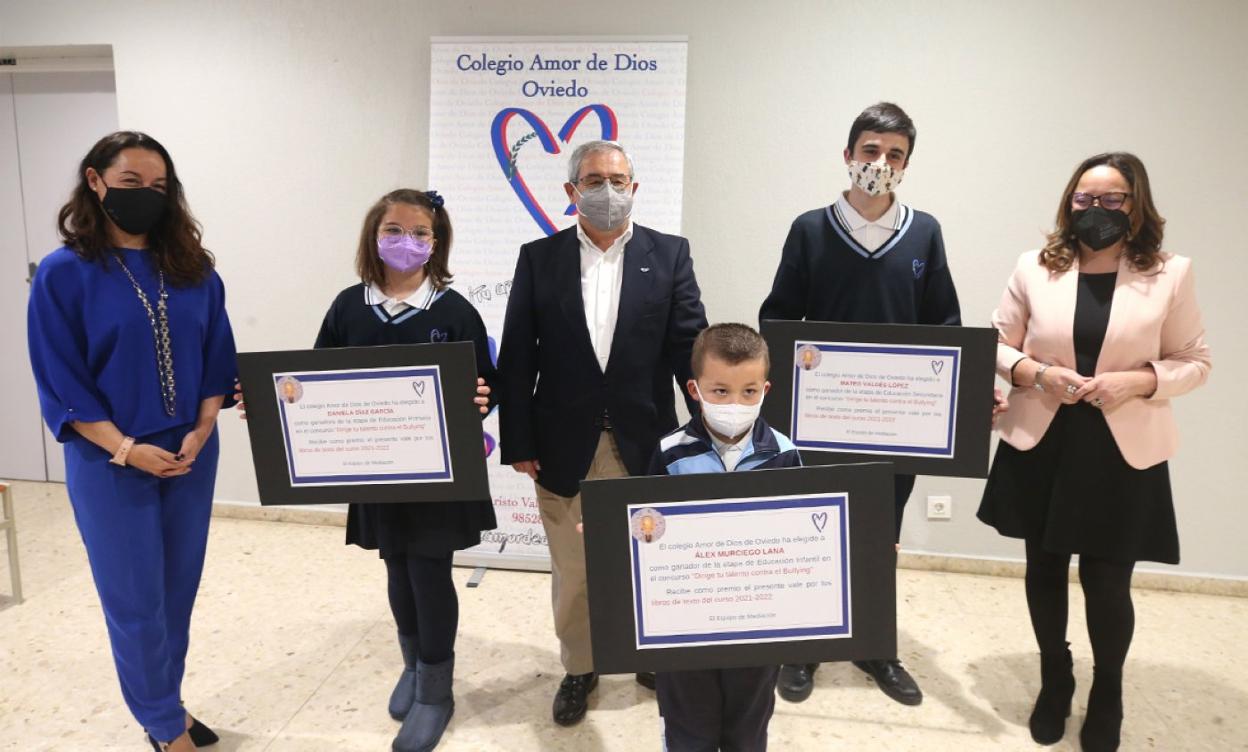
(508, 154)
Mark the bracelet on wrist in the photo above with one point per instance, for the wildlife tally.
(1038, 385)
(123, 452)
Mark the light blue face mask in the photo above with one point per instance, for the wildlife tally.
(605, 207)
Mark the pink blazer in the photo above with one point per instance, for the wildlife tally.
(1154, 320)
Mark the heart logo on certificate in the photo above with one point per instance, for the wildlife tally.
(419, 386)
(820, 519)
(938, 366)
(508, 154)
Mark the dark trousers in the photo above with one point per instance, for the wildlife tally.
(902, 486)
(145, 539)
(720, 709)
(424, 603)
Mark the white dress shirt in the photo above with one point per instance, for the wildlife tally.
(602, 274)
(422, 298)
(730, 453)
(870, 234)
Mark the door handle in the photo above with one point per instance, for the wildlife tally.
(30, 272)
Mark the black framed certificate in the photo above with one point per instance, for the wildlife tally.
(919, 396)
(729, 570)
(365, 424)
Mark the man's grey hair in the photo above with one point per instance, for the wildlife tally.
(593, 147)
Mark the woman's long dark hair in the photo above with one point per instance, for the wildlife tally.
(1143, 249)
(175, 240)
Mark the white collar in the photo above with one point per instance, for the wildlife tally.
(887, 220)
(421, 298)
(722, 446)
(619, 242)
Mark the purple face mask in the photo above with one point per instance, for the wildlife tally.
(403, 253)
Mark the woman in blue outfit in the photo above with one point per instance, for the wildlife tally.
(133, 357)
(404, 298)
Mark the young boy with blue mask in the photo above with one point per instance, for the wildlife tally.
(722, 708)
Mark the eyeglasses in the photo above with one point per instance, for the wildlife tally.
(394, 231)
(619, 182)
(1109, 201)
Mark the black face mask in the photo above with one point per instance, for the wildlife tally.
(135, 210)
(1099, 228)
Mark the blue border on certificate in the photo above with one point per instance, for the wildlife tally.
(389, 373)
(945, 451)
(840, 501)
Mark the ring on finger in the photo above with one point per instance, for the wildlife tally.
(1071, 388)
(1098, 402)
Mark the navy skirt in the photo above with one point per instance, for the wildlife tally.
(431, 528)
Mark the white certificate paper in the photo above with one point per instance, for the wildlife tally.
(734, 571)
(875, 399)
(364, 426)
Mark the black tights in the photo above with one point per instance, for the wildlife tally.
(424, 603)
(1107, 592)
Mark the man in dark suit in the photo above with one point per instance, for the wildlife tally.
(601, 317)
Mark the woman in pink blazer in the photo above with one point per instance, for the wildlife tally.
(1098, 331)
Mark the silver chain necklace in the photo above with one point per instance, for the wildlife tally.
(159, 319)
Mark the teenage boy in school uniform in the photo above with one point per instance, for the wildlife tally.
(866, 258)
(725, 709)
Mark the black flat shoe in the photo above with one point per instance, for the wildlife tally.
(572, 699)
(201, 735)
(893, 680)
(646, 679)
(796, 681)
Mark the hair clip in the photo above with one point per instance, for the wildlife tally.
(435, 199)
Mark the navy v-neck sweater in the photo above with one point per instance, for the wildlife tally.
(825, 275)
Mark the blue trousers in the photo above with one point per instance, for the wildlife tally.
(145, 538)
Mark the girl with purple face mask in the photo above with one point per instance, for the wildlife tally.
(404, 298)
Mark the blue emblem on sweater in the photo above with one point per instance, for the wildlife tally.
(918, 267)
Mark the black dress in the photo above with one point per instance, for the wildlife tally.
(1073, 492)
(420, 528)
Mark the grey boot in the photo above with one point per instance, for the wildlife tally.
(404, 693)
(432, 710)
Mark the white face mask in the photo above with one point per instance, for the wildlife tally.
(875, 178)
(732, 419)
(605, 207)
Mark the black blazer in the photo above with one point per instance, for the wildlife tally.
(554, 393)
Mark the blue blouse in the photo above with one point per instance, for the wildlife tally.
(94, 354)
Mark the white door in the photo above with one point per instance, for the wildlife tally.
(54, 118)
(21, 441)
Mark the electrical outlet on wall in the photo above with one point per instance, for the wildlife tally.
(940, 507)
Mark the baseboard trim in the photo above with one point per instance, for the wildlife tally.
(242, 510)
(1145, 579)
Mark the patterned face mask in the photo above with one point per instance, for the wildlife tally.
(875, 178)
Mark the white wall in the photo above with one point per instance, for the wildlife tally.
(287, 119)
